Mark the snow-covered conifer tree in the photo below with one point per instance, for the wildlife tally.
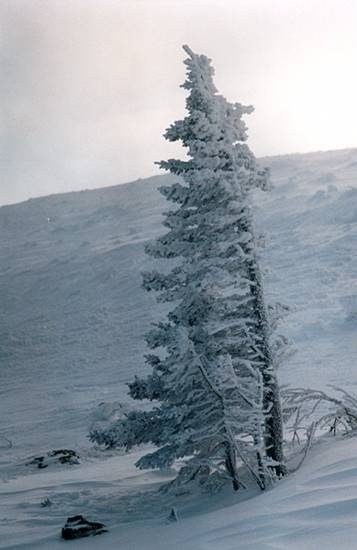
(213, 375)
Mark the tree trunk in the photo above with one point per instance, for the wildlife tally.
(261, 473)
(231, 465)
(271, 397)
(271, 400)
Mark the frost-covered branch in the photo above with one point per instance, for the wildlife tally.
(304, 407)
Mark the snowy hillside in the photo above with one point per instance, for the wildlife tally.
(72, 312)
(72, 319)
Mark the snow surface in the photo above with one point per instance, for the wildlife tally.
(72, 319)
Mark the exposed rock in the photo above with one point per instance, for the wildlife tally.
(173, 517)
(65, 456)
(61, 456)
(77, 527)
(46, 502)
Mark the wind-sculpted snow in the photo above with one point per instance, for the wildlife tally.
(72, 319)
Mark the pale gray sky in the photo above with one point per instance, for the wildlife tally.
(88, 86)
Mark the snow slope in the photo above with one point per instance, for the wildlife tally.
(314, 508)
(72, 318)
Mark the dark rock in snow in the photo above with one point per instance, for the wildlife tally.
(62, 456)
(39, 460)
(46, 502)
(65, 456)
(77, 527)
(173, 517)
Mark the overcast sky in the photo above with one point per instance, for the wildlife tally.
(88, 86)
